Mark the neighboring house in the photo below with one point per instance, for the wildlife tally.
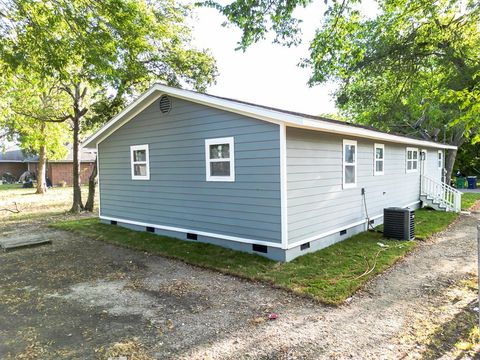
(253, 178)
(14, 161)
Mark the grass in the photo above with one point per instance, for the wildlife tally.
(469, 199)
(330, 275)
(428, 222)
(10, 186)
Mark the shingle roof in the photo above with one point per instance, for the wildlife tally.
(15, 154)
(265, 113)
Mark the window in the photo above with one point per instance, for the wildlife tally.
(412, 160)
(220, 159)
(379, 159)
(349, 164)
(140, 162)
(440, 159)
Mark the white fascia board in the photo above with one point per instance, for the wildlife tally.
(253, 111)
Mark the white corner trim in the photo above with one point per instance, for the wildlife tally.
(283, 184)
(231, 143)
(375, 147)
(201, 233)
(348, 226)
(257, 112)
(98, 182)
(345, 164)
(134, 148)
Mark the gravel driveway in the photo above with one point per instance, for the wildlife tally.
(82, 299)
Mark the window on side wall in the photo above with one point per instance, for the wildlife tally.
(412, 160)
(140, 162)
(349, 164)
(379, 159)
(220, 159)
(440, 159)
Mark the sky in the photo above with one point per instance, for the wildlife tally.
(265, 73)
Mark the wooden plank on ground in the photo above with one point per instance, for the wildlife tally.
(22, 241)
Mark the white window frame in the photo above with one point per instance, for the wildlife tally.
(440, 159)
(344, 164)
(375, 147)
(134, 148)
(412, 170)
(226, 140)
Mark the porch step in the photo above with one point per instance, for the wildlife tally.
(427, 200)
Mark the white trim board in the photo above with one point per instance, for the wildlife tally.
(230, 141)
(331, 232)
(257, 112)
(244, 240)
(283, 185)
(201, 233)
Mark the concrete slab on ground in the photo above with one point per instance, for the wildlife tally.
(18, 241)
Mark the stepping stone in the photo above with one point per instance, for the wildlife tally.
(22, 241)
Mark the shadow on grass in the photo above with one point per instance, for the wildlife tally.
(451, 333)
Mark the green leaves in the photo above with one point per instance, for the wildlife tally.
(111, 48)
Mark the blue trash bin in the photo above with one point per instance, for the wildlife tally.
(472, 182)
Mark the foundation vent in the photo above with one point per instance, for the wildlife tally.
(191, 236)
(259, 248)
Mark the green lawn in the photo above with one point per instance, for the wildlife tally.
(468, 199)
(330, 275)
(10, 186)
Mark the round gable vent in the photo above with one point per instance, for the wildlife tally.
(165, 104)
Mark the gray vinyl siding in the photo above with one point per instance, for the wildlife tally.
(316, 201)
(177, 193)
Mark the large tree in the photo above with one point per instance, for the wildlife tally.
(409, 66)
(34, 113)
(100, 53)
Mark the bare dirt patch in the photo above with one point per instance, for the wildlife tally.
(85, 299)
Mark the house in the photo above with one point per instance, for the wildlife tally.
(252, 178)
(14, 161)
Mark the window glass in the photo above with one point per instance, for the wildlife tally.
(412, 160)
(220, 168)
(379, 158)
(139, 155)
(220, 151)
(140, 162)
(349, 163)
(220, 159)
(140, 169)
(349, 174)
(349, 154)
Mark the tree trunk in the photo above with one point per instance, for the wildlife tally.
(458, 138)
(449, 162)
(92, 183)
(42, 163)
(41, 171)
(77, 205)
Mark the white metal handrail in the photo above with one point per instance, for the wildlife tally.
(442, 193)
